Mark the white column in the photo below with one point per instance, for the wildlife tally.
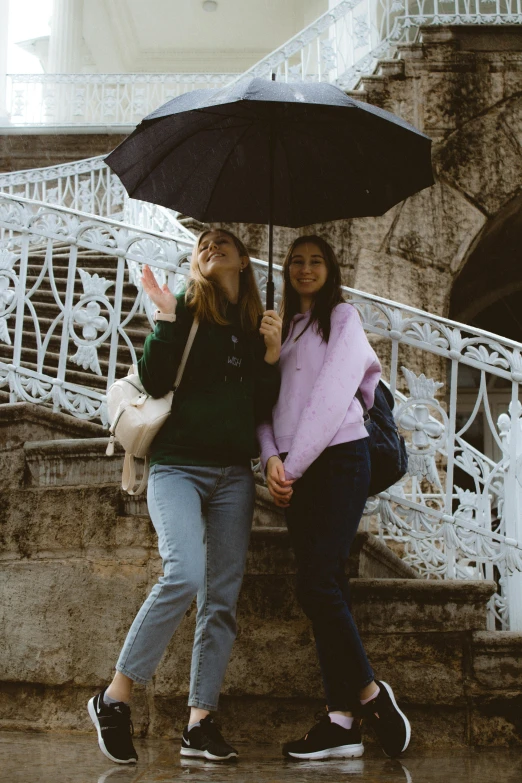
(4, 29)
(65, 44)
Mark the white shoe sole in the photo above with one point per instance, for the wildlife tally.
(204, 754)
(403, 716)
(101, 744)
(342, 752)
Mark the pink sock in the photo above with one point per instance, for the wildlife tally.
(341, 720)
(372, 697)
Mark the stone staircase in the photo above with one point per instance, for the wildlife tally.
(79, 556)
(47, 310)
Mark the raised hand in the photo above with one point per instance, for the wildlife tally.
(162, 297)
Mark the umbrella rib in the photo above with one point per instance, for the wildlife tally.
(214, 186)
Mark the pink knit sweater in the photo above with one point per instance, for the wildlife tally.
(316, 406)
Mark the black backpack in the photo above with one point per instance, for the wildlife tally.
(388, 455)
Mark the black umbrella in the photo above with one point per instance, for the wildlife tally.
(259, 151)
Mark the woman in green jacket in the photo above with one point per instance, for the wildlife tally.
(201, 488)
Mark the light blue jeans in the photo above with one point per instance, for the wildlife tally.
(202, 516)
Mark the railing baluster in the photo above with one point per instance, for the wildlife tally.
(116, 316)
(68, 304)
(20, 309)
(513, 513)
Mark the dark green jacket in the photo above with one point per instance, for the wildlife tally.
(227, 388)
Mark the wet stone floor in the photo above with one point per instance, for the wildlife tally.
(66, 758)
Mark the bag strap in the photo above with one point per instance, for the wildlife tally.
(359, 396)
(128, 476)
(188, 346)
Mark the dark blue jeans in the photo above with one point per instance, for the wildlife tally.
(322, 519)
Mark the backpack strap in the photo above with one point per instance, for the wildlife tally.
(359, 396)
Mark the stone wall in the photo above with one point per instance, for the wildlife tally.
(33, 150)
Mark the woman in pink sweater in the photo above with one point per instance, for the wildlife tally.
(317, 462)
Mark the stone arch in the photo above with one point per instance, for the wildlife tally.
(483, 161)
(487, 292)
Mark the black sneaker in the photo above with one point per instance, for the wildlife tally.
(391, 726)
(114, 726)
(206, 741)
(327, 740)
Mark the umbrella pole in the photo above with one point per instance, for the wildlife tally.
(270, 288)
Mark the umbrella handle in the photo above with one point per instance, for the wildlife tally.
(270, 289)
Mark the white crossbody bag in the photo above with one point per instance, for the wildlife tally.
(136, 418)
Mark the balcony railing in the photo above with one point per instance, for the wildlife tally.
(70, 309)
(115, 100)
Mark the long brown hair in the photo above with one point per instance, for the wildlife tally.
(325, 299)
(208, 301)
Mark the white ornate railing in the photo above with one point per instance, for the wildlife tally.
(458, 513)
(98, 99)
(56, 305)
(90, 186)
(347, 41)
(87, 185)
(69, 302)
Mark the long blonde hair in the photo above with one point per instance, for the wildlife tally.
(207, 300)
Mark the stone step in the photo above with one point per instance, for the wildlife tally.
(20, 421)
(390, 69)
(92, 565)
(373, 82)
(74, 463)
(417, 638)
(412, 51)
(61, 280)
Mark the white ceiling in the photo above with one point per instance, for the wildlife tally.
(178, 35)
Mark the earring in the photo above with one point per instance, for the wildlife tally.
(241, 271)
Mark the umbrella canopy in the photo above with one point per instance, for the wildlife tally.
(211, 154)
(271, 152)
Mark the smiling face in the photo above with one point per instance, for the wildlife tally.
(308, 269)
(218, 255)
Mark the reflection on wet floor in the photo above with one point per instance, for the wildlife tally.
(66, 758)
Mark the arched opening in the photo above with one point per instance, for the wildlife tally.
(487, 294)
